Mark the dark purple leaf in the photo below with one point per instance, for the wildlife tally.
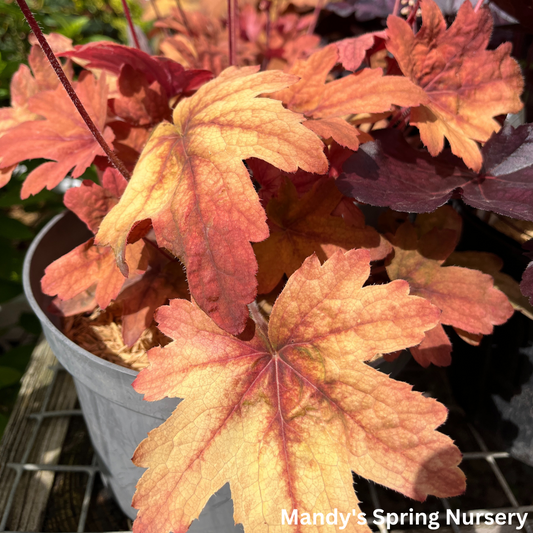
(363, 9)
(520, 10)
(526, 286)
(389, 172)
(528, 246)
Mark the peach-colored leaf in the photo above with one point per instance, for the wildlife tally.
(85, 266)
(337, 129)
(367, 91)
(492, 264)
(466, 84)
(467, 297)
(191, 182)
(287, 416)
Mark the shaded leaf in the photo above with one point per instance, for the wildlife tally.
(90, 202)
(300, 227)
(140, 102)
(287, 416)
(112, 57)
(142, 297)
(389, 172)
(83, 302)
(436, 348)
(467, 85)
(191, 182)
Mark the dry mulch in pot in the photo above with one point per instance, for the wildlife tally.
(101, 334)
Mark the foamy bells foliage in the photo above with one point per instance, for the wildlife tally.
(287, 416)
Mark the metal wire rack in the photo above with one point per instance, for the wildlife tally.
(367, 491)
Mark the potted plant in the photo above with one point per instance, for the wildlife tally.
(271, 305)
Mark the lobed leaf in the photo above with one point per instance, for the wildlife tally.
(85, 266)
(352, 51)
(326, 104)
(467, 297)
(140, 103)
(287, 416)
(389, 172)
(191, 182)
(491, 264)
(62, 136)
(300, 227)
(90, 203)
(466, 85)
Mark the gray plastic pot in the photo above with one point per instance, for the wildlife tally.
(117, 418)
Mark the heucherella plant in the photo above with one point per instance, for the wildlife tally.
(225, 212)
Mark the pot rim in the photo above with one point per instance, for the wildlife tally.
(42, 316)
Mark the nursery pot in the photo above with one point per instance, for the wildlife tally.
(117, 417)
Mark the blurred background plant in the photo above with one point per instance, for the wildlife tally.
(20, 220)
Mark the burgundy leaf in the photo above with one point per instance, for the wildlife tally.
(389, 172)
(112, 57)
(526, 286)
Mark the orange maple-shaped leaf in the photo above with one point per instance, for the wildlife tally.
(192, 183)
(62, 137)
(287, 416)
(300, 227)
(467, 297)
(87, 266)
(325, 104)
(466, 84)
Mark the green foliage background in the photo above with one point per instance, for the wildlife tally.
(20, 220)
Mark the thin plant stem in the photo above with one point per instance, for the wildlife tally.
(268, 24)
(316, 13)
(232, 31)
(117, 163)
(478, 5)
(184, 18)
(156, 10)
(130, 24)
(396, 9)
(412, 16)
